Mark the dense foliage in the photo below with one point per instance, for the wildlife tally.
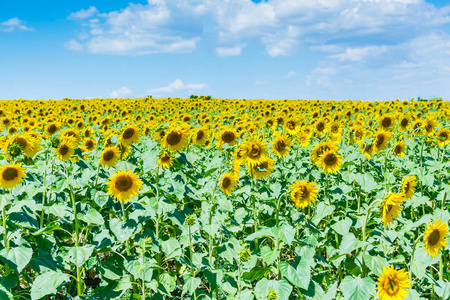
(207, 198)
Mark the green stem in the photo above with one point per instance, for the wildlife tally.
(77, 233)
(44, 192)
(143, 272)
(364, 237)
(239, 280)
(96, 175)
(412, 256)
(337, 247)
(441, 267)
(5, 236)
(278, 239)
(190, 258)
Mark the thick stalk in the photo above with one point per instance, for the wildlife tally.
(77, 233)
(5, 237)
(364, 231)
(96, 175)
(44, 192)
(412, 256)
(190, 259)
(278, 239)
(143, 272)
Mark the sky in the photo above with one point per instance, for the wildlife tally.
(265, 49)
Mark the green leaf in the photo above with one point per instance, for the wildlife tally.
(168, 281)
(124, 283)
(357, 288)
(269, 255)
(343, 226)
(92, 217)
(367, 182)
(16, 258)
(47, 283)
(298, 273)
(286, 233)
(421, 261)
(191, 284)
(259, 234)
(323, 210)
(171, 248)
(256, 273)
(442, 289)
(282, 287)
(121, 230)
(350, 243)
(79, 255)
(375, 263)
(140, 268)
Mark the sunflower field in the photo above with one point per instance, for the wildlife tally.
(207, 198)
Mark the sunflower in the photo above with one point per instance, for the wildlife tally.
(409, 186)
(109, 156)
(66, 148)
(262, 169)
(165, 160)
(123, 185)
(367, 149)
(404, 123)
(381, 140)
(330, 161)
(430, 125)
(229, 182)
(303, 139)
(227, 136)
(434, 237)
(71, 133)
(387, 122)
(444, 137)
(89, 144)
(336, 129)
(319, 149)
(292, 126)
(254, 152)
(393, 284)
(281, 146)
(130, 135)
(391, 207)
(200, 136)
(175, 139)
(399, 149)
(27, 142)
(52, 128)
(303, 193)
(320, 127)
(11, 176)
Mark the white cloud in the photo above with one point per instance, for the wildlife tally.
(73, 45)
(358, 54)
(123, 91)
(229, 51)
(177, 85)
(84, 13)
(280, 26)
(290, 74)
(14, 24)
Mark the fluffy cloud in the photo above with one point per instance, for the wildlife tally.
(14, 24)
(280, 26)
(175, 86)
(84, 13)
(123, 91)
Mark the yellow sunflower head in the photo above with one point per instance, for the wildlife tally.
(165, 160)
(89, 144)
(434, 237)
(409, 186)
(227, 136)
(330, 161)
(66, 148)
(11, 176)
(262, 169)
(109, 156)
(393, 284)
(200, 136)
(281, 146)
(367, 149)
(254, 152)
(130, 135)
(303, 193)
(228, 183)
(123, 185)
(175, 139)
(443, 135)
(381, 140)
(391, 207)
(399, 149)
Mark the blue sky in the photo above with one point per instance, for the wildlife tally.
(273, 49)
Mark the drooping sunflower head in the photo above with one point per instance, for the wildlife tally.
(254, 152)
(330, 161)
(381, 140)
(228, 183)
(434, 237)
(391, 207)
(11, 176)
(200, 136)
(130, 135)
(27, 142)
(262, 169)
(393, 284)
(175, 139)
(165, 160)
(303, 193)
(367, 149)
(109, 156)
(281, 146)
(399, 149)
(409, 186)
(443, 135)
(123, 185)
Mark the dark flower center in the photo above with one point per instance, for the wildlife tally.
(9, 174)
(228, 137)
(123, 183)
(128, 133)
(63, 149)
(173, 138)
(434, 237)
